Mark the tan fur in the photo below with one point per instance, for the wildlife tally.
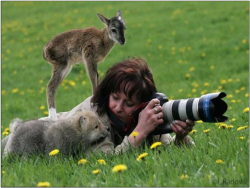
(71, 136)
(89, 45)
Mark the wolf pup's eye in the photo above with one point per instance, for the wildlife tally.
(96, 127)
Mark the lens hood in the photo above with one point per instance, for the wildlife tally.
(211, 107)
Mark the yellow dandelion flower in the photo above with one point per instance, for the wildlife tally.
(54, 152)
(3, 92)
(46, 113)
(229, 96)
(72, 83)
(223, 81)
(134, 134)
(223, 126)
(192, 69)
(244, 41)
(247, 95)
(84, 82)
(237, 91)
(203, 92)
(160, 47)
(119, 168)
(195, 84)
(203, 54)
(82, 161)
(217, 124)
(242, 137)
(233, 119)
(206, 131)
(180, 90)
(242, 88)
(5, 133)
(212, 67)
(43, 184)
(206, 84)
(220, 87)
(194, 90)
(184, 176)
(246, 110)
(42, 107)
(219, 161)
(233, 101)
(101, 161)
(241, 128)
(230, 126)
(40, 81)
(7, 129)
(199, 121)
(142, 156)
(193, 131)
(3, 172)
(96, 171)
(15, 90)
(155, 145)
(229, 80)
(187, 75)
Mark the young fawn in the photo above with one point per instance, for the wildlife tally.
(89, 45)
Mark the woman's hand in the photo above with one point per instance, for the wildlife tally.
(149, 118)
(182, 128)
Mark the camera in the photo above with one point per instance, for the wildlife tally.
(208, 108)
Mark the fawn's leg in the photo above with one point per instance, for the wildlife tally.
(91, 65)
(59, 72)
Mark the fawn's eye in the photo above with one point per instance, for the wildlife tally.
(113, 30)
(96, 127)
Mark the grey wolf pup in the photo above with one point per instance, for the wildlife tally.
(71, 136)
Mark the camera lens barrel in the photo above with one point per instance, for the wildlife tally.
(208, 108)
(181, 110)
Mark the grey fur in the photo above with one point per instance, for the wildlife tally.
(89, 45)
(70, 136)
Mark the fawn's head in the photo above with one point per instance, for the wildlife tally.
(116, 26)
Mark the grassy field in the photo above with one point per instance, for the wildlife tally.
(193, 48)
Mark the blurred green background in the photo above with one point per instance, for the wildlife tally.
(193, 48)
(186, 44)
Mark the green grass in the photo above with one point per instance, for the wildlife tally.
(186, 44)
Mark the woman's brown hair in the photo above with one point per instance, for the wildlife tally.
(131, 76)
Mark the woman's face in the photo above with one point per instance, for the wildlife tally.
(122, 106)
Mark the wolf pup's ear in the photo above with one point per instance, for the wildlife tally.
(83, 123)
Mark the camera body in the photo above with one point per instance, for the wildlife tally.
(208, 108)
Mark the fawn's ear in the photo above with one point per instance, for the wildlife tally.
(119, 14)
(103, 19)
(83, 123)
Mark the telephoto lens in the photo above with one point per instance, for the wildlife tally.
(208, 108)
